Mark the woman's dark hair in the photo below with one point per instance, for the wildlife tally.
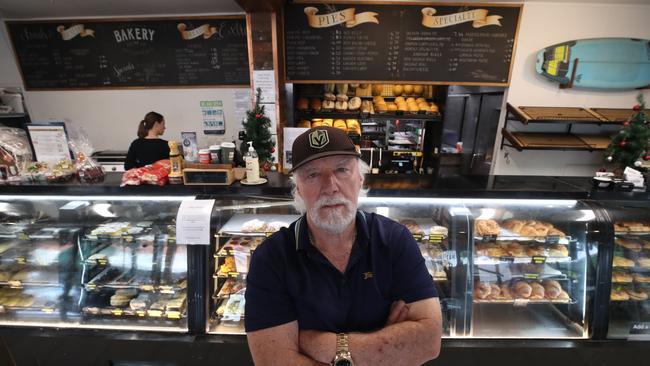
(147, 123)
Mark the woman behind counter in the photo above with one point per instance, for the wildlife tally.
(148, 147)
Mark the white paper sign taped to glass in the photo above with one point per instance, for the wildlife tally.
(193, 222)
(214, 122)
(290, 135)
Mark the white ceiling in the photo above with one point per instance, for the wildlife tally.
(30, 9)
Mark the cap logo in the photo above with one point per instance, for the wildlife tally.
(319, 139)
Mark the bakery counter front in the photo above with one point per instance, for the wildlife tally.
(520, 263)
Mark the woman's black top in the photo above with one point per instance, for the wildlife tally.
(146, 151)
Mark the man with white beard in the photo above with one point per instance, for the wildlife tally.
(339, 286)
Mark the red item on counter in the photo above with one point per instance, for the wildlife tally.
(156, 173)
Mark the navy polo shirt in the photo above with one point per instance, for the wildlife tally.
(289, 279)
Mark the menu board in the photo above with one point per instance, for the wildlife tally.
(59, 54)
(457, 44)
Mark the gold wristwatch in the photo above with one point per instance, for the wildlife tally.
(342, 357)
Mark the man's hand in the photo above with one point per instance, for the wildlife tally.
(399, 312)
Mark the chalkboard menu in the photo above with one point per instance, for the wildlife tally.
(131, 53)
(417, 43)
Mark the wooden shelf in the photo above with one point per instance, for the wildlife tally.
(618, 115)
(528, 115)
(555, 141)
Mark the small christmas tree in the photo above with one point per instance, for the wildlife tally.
(257, 127)
(630, 145)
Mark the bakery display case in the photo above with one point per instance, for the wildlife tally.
(244, 225)
(629, 306)
(100, 262)
(532, 268)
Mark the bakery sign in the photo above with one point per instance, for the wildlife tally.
(478, 17)
(639, 331)
(347, 16)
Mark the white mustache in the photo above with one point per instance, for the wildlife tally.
(329, 201)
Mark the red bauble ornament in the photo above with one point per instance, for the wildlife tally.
(626, 123)
(622, 143)
(258, 116)
(646, 158)
(272, 149)
(636, 108)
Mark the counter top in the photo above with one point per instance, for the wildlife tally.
(279, 185)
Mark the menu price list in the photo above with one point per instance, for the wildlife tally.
(400, 47)
(132, 53)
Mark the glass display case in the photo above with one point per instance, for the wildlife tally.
(503, 268)
(629, 306)
(532, 268)
(100, 262)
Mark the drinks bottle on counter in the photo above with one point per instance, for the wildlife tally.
(176, 161)
(252, 164)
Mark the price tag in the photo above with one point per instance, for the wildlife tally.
(507, 259)
(102, 261)
(268, 234)
(521, 303)
(233, 274)
(147, 288)
(47, 310)
(91, 287)
(538, 259)
(436, 239)
(552, 239)
(21, 260)
(417, 237)
(154, 313)
(141, 313)
(531, 276)
(15, 284)
(173, 314)
(23, 236)
(166, 289)
(117, 312)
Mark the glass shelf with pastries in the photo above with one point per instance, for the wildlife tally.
(629, 306)
(439, 234)
(92, 262)
(532, 268)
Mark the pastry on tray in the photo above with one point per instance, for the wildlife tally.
(538, 292)
(629, 244)
(643, 262)
(536, 250)
(495, 292)
(412, 226)
(640, 278)
(515, 249)
(636, 295)
(620, 228)
(254, 226)
(558, 250)
(521, 290)
(619, 295)
(621, 277)
(552, 289)
(622, 262)
(482, 290)
(487, 228)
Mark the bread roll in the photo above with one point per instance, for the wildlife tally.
(305, 123)
(558, 251)
(354, 104)
(486, 227)
(418, 89)
(341, 98)
(537, 292)
(515, 249)
(521, 289)
(482, 290)
(408, 89)
(328, 122)
(622, 262)
(495, 292)
(377, 89)
(619, 295)
(329, 96)
(513, 225)
(328, 105)
(552, 289)
(341, 106)
(398, 90)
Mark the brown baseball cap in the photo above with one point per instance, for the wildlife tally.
(319, 142)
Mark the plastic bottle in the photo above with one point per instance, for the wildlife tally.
(252, 164)
(176, 161)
